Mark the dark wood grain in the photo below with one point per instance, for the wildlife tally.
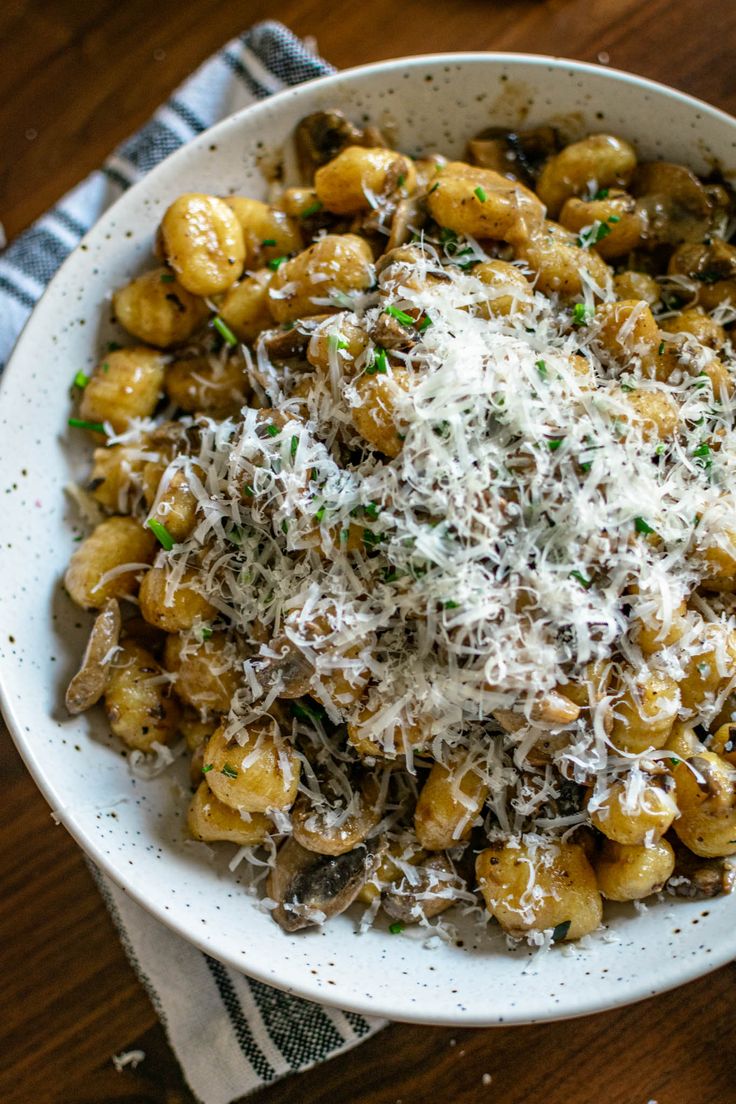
(76, 77)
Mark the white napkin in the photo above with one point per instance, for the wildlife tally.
(231, 1035)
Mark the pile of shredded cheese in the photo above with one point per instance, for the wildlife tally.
(529, 519)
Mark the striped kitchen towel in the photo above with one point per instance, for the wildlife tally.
(231, 1035)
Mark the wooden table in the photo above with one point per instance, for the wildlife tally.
(76, 77)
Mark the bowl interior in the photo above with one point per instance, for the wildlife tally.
(132, 828)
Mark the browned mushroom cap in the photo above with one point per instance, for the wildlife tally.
(310, 888)
(288, 668)
(696, 877)
(519, 155)
(90, 681)
(333, 829)
(433, 891)
(716, 261)
(409, 218)
(320, 136)
(283, 345)
(677, 204)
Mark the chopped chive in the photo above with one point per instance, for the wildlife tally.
(602, 193)
(167, 277)
(586, 465)
(207, 768)
(370, 538)
(106, 367)
(224, 331)
(161, 533)
(642, 526)
(276, 262)
(397, 927)
(320, 514)
(229, 772)
(554, 443)
(312, 209)
(307, 712)
(400, 316)
(248, 490)
(401, 181)
(480, 193)
(702, 456)
(272, 430)
(560, 931)
(447, 235)
(371, 511)
(581, 314)
(434, 187)
(613, 219)
(81, 380)
(80, 423)
(584, 582)
(334, 341)
(285, 525)
(379, 363)
(206, 633)
(660, 350)
(344, 534)
(450, 605)
(542, 369)
(267, 242)
(424, 324)
(294, 445)
(674, 762)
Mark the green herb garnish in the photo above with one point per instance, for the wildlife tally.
(581, 314)
(660, 350)
(379, 363)
(334, 341)
(371, 510)
(602, 193)
(308, 712)
(268, 242)
(276, 262)
(370, 538)
(642, 526)
(206, 633)
(480, 194)
(400, 316)
(272, 430)
(451, 605)
(542, 369)
(424, 324)
(161, 533)
(312, 209)
(167, 277)
(397, 927)
(224, 331)
(584, 582)
(560, 931)
(80, 423)
(294, 445)
(81, 380)
(702, 456)
(207, 768)
(554, 443)
(229, 772)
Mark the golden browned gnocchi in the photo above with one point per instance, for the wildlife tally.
(156, 309)
(418, 529)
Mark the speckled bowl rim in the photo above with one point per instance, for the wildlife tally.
(669, 978)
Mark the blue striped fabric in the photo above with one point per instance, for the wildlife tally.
(230, 1034)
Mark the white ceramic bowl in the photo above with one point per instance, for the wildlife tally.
(132, 829)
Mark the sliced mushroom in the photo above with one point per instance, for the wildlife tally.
(309, 888)
(90, 681)
(519, 155)
(282, 345)
(676, 203)
(333, 829)
(696, 877)
(389, 333)
(409, 217)
(433, 891)
(289, 668)
(319, 137)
